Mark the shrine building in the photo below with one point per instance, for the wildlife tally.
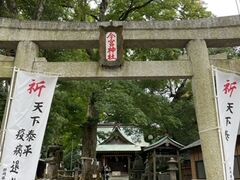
(124, 150)
(117, 146)
(197, 163)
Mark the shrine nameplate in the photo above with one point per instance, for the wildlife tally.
(111, 46)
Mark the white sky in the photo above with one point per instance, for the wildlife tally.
(222, 7)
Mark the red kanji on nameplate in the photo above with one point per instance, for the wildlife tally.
(111, 46)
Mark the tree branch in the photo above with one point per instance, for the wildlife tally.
(12, 6)
(90, 53)
(103, 8)
(1, 3)
(129, 8)
(94, 17)
(125, 15)
(179, 91)
(39, 9)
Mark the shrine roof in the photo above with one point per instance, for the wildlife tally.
(128, 138)
(163, 141)
(192, 145)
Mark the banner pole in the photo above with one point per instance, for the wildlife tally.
(218, 122)
(6, 112)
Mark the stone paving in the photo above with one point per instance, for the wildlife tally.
(119, 178)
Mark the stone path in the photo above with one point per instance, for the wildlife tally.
(119, 178)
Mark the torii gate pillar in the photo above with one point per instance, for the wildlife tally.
(27, 51)
(202, 87)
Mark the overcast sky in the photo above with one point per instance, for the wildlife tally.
(222, 7)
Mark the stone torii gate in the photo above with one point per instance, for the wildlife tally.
(27, 37)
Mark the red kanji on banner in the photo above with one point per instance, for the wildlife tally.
(111, 46)
(36, 87)
(230, 87)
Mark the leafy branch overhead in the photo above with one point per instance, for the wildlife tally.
(132, 8)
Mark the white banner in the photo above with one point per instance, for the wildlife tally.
(228, 98)
(27, 121)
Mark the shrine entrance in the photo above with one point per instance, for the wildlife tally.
(117, 163)
(196, 36)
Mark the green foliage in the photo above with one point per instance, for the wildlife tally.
(139, 10)
(190, 9)
(186, 132)
(72, 55)
(153, 54)
(232, 53)
(117, 103)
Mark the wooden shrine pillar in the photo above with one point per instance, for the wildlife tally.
(104, 161)
(179, 165)
(202, 86)
(129, 164)
(154, 165)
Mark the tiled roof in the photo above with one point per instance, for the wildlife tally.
(192, 145)
(131, 134)
(163, 141)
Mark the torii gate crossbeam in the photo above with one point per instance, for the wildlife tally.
(217, 32)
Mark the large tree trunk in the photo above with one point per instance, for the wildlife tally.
(89, 150)
(89, 141)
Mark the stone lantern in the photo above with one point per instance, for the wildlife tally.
(172, 163)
